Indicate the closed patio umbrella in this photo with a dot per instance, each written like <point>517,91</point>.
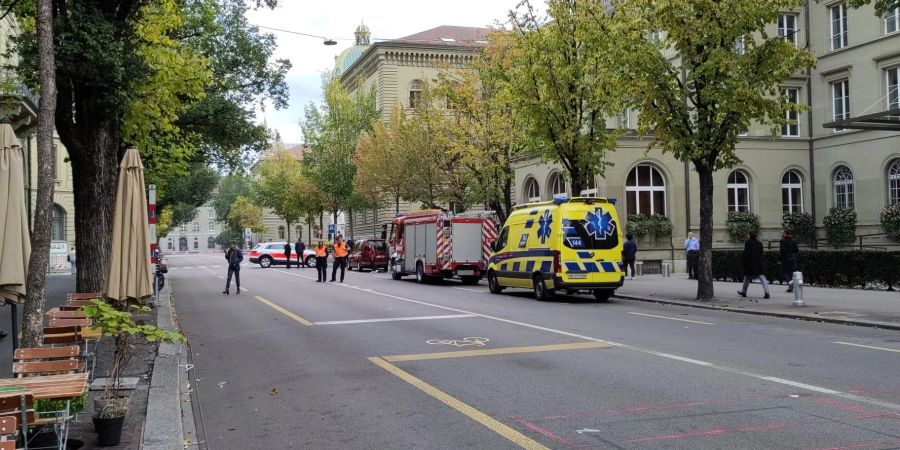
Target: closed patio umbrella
<point>15,245</point>
<point>129,273</point>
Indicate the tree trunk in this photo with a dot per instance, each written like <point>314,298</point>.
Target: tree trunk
<point>334,221</point>
<point>288,231</point>
<point>704,280</point>
<point>32,330</point>
<point>397,204</point>
<point>350,221</point>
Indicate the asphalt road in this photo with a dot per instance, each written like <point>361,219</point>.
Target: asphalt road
<point>380,364</point>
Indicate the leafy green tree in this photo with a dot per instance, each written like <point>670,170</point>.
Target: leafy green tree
<point>697,104</point>
<point>381,162</point>
<point>229,189</point>
<point>244,214</point>
<point>558,78</point>
<point>882,7</point>
<point>279,176</point>
<point>182,196</point>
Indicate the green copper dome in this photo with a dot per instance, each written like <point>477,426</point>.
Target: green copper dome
<point>349,56</point>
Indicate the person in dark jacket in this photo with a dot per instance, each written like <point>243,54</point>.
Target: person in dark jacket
<point>287,254</point>
<point>787,254</point>
<point>753,265</point>
<point>234,256</point>
<point>629,252</point>
<point>300,247</point>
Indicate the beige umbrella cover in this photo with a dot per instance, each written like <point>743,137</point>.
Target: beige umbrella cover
<point>129,275</point>
<point>15,245</point>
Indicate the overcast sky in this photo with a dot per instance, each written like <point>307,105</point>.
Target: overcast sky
<point>338,19</point>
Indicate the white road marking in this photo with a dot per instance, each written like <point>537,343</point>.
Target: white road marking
<point>470,290</point>
<point>393,319</point>
<point>870,347</point>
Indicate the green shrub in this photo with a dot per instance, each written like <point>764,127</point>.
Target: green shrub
<point>740,224</point>
<point>800,225</point>
<point>831,268</point>
<point>890,221</point>
<point>653,227</point>
<point>840,226</point>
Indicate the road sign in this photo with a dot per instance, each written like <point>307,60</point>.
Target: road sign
<point>331,228</point>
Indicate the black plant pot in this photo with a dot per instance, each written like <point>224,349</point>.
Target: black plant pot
<point>109,431</point>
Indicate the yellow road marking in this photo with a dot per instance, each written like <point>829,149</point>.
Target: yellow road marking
<point>284,311</point>
<point>870,346</point>
<point>671,318</point>
<point>496,351</point>
<point>470,412</point>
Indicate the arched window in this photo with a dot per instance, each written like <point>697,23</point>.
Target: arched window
<point>590,187</point>
<point>843,188</point>
<point>557,184</point>
<point>738,191</point>
<point>210,242</point>
<point>791,192</point>
<point>182,244</point>
<point>893,177</point>
<point>532,191</point>
<point>645,191</point>
<point>281,232</point>
<point>57,223</point>
<point>415,93</point>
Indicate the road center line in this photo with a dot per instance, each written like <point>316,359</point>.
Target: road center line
<point>470,412</point>
<point>870,347</point>
<point>671,318</point>
<point>393,319</point>
<point>758,376</point>
<point>496,351</point>
<point>284,311</point>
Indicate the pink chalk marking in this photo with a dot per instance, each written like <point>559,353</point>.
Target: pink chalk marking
<point>842,406</point>
<point>547,433</point>
<point>705,433</point>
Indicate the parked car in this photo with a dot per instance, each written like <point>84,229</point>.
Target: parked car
<point>268,254</point>
<point>369,254</point>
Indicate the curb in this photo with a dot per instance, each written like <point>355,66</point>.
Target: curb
<point>163,429</point>
<point>796,316</point>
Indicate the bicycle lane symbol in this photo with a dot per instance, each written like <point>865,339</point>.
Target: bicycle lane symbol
<point>464,342</point>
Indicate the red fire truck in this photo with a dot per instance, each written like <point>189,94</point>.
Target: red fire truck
<point>433,244</point>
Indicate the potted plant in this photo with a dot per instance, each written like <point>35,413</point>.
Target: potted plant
<point>110,406</point>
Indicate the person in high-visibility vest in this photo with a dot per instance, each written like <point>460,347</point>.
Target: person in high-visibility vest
<point>340,257</point>
<point>322,262</point>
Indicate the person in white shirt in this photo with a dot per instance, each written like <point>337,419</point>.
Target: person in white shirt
<point>692,253</point>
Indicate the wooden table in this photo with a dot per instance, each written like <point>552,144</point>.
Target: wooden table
<point>50,387</point>
<point>70,322</point>
<point>57,313</point>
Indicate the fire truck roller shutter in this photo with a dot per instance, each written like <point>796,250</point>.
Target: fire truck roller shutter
<point>409,249</point>
<point>467,242</point>
<point>429,242</point>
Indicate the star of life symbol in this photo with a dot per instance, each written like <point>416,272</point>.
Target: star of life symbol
<point>544,226</point>
<point>599,224</point>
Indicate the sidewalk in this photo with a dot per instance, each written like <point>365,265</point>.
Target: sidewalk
<point>879,309</point>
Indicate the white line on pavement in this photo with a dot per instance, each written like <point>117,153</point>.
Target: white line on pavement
<point>723,368</point>
<point>393,319</point>
<point>470,290</point>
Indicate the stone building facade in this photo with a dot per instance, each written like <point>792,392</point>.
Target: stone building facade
<point>196,236</point>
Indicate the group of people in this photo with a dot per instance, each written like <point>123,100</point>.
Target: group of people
<point>340,250</point>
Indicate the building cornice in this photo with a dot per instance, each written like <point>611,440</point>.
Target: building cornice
<point>409,54</point>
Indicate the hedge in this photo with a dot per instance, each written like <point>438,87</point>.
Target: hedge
<point>850,268</point>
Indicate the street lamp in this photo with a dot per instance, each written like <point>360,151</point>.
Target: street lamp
<point>330,42</point>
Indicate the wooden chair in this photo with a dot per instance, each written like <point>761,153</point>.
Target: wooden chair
<point>86,296</point>
<point>60,314</point>
<point>47,361</point>
<point>17,405</point>
<point>69,322</point>
<point>62,336</point>
<point>8,432</point>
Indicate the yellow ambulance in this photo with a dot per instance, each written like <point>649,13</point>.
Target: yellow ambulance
<point>568,244</point>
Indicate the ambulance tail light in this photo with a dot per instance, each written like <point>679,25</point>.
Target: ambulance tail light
<point>557,266</point>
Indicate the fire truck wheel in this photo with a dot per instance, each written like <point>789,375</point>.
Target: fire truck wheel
<point>540,289</point>
<point>470,280</point>
<point>420,273</point>
<point>494,284</point>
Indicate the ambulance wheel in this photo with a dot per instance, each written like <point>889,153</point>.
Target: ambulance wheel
<point>540,289</point>
<point>420,274</point>
<point>470,280</point>
<point>602,295</point>
<point>494,284</point>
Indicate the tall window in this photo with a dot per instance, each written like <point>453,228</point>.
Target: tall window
<point>532,191</point>
<point>893,177</point>
<point>210,242</point>
<point>893,87</point>
<point>625,119</point>
<point>892,21</point>
<point>792,128</point>
<point>557,184</point>
<point>196,226</point>
<point>843,188</point>
<point>54,155</point>
<point>183,227</point>
<point>787,27</point>
<point>281,232</point>
<point>211,219</point>
<point>838,15</point>
<point>645,191</point>
<point>57,223</point>
<point>738,191</point>
<point>590,187</point>
<point>415,93</point>
<point>840,101</point>
<point>791,192</point>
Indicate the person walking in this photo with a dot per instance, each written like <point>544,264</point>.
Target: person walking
<point>321,262</point>
<point>787,254</point>
<point>692,254</point>
<point>629,252</point>
<point>234,256</point>
<point>340,257</point>
<point>753,265</point>
<point>73,270</point>
<point>300,247</point>
<point>287,254</point>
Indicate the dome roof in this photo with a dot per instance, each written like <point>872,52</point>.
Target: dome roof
<point>347,57</point>
<point>362,28</point>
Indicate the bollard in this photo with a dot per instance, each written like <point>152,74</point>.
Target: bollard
<point>639,268</point>
<point>797,286</point>
<point>665,269</point>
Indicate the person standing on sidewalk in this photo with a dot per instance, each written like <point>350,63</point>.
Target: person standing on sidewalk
<point>340,257</point>
<point>629,253</point>
<point>287,254</point>
<point>692,254</point>
<point>753,265</point>
<point>321,262</point>
<point>234,256</point>
<point>787,253</point>
<point>300,247</point>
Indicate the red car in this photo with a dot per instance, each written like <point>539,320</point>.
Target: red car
<point>369,254</point>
